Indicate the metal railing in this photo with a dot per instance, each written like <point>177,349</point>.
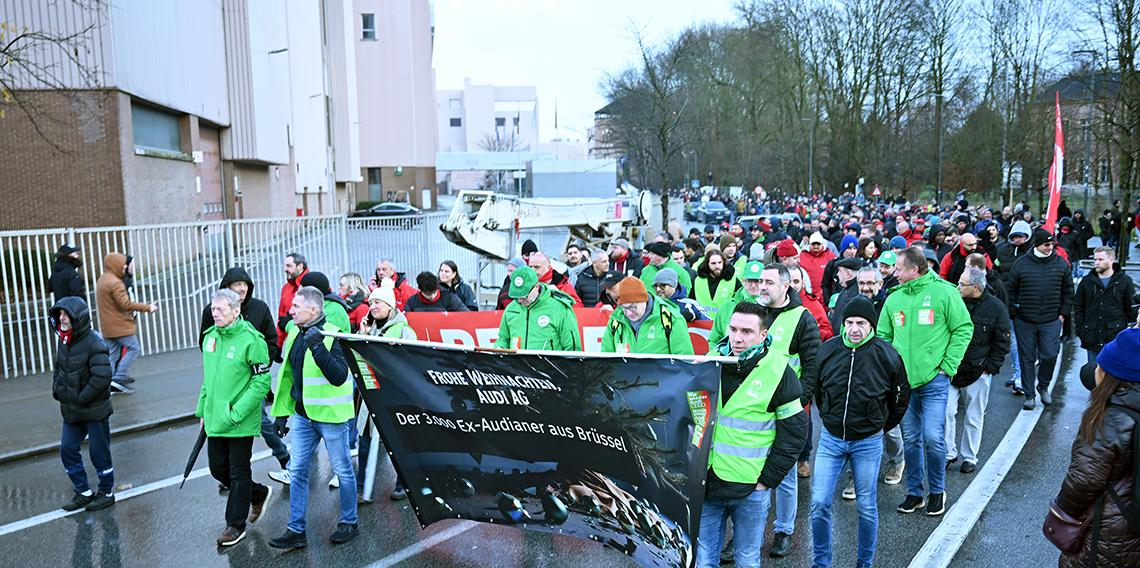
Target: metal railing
<point>177,267</point>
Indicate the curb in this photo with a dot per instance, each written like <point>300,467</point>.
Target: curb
<point>17,455</point>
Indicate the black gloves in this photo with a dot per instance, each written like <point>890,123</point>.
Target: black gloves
<point>281,425</point>
<point>313,337</point>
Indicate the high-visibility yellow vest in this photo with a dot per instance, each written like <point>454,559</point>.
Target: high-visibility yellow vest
<point>324,402</point>
<point>782,330</point>
<point>711,302</point>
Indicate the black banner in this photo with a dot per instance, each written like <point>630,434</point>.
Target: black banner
<point>609,449</point>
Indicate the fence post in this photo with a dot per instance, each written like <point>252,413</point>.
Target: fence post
<point>343,222</point>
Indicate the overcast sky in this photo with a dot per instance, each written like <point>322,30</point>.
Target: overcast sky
<point>565,48</point>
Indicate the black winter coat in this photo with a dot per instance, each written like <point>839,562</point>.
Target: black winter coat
<point>1040,289</point>
<point>1092,468</point>
<point>1073,244</point>
<point>1099,312</point>
<point>805,340</point>
<point>81,381</point>
<point>589,286</point>
<point>1007,255</point>
<point>464,292</point>
<point>65,280</point>
<point>253,310</point>
<point>860,391</point>
<point>990,344</point>
<point>446,302</point>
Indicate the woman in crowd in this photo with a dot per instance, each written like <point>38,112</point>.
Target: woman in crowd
<point>449,280</point>
<point>355,295</point>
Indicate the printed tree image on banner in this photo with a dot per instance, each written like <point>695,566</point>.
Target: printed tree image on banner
<point>609,449</point>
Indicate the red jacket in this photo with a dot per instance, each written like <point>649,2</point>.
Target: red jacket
<point>959,253</point>
<point>287,292</point>
<point>817,311</point>
<point>814,265</point>
<point>562,282</point>
<point>402,290</point>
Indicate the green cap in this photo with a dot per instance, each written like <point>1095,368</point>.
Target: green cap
<point>888,258</point>
<point>523,280</point>
<point>752,270</point>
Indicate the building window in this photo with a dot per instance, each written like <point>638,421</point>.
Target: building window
<point>456,122</point>
<point>454,104</point>
<point>516,122</point>
<point>374,186</point>
<point>155,129</point>
<point>500,121</point>
<point>368,26</point>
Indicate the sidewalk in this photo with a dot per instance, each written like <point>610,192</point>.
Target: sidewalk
<point>166,390</point>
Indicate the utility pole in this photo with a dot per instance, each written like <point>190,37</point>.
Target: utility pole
<point>938,102</point>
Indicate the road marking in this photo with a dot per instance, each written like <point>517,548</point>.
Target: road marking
<point>957,523</point>
<point>422,545</point>
<point>120,496</point>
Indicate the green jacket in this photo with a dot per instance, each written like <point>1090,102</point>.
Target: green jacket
<point>652,336</point>
<point>724,313</point>
<point>929,325</point>
<point>548,324</point>
<point>650,271</point>
<point>336,315</point>
<point>235,369</point>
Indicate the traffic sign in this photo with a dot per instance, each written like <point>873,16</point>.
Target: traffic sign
<point>877,192</point>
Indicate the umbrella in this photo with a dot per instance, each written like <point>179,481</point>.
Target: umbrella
<point>201,441</point>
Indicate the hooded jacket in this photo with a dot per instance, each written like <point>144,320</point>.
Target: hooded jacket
<point>253,311</point>
<point>1040,289</point>
<point>812,304</point>
<point>861,390</point>
<point>116,317</point>
<point>81,381</point>
<point>815,264</point>
<point>590,286</point>
<point>445,302</point>
<point>1008,255</point>
<point>464,292</point>
<point>235,371</point>
<point>1108,461</point>
<point>65,280</point>
<point>928,324</point>
<point>549,323</point>
<point>708,285</point>
<point>1099,311</point>
<point>663,331</point>
<point>990,343</point>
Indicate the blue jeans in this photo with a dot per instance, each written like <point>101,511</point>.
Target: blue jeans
<point>1015,361</point>
<point>787,499</point>
<point>306,433</point>
<point>121,360</point>
<point>275,443</point>
<point>98,434</point>
<point>924,430</point>
<point>830,458</point>
<point>748,518</point>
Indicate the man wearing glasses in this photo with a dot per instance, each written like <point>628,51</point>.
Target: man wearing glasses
<point>1040,294</point>
<point>644,323</point>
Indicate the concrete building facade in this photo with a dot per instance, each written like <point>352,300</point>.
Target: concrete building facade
<point>477,114</point>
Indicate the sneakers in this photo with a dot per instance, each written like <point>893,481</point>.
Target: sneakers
<point>78,502</point>
<point>968,467</point>
<point>1010,382</point>
<point>119,388</point>
<point>951,461</point>
<point>781,543</point>
<point>849,491</point>
<point>126,380</point>
<point>334,483</point>
<point>1046,398</point>
<point>936,506</point>
<point>728,555</point>
<point>894,473</point>
<point>344,532</point>
<point>257,506</point>
<point>1018,391</point>
<point>231,536</point>
<point>399,493</point>
<point>101,501</point>
<point>280,476</point>
<point>911,503</point>
<point>290,541</point>
<point>803,469</point>
<point>1030,403</point>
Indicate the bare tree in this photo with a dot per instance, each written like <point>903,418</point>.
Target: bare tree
<point>497,143</point>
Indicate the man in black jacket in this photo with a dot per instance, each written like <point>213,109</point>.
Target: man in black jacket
<point>983,359</point>
<point>862,392</point>
<point>591,281</point>
<point>257,313</point>
<point>1103,304</point>
<point>432,298</point>
<point>65,280</point>
<point>1040,294</point>
<point>82,385</point>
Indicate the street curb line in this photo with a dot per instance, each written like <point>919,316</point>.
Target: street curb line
<point>422,545</point>
<point>128,429</point>
<point>943,544</point>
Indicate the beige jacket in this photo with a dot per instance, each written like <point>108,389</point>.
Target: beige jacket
<point>115,306</point>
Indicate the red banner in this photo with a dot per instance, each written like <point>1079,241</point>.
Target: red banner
<point>481,329</point>
<point>1057,170</point>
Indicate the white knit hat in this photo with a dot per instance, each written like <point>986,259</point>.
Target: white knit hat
<point>385,293</point>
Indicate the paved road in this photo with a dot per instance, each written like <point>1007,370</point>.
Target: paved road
<point>171,527</point>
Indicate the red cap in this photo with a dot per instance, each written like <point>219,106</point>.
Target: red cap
<point>786,248</point>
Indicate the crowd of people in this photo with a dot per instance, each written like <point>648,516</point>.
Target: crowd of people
<point>889,321</point>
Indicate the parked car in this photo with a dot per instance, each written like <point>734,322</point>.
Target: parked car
<point>387,209</point>
<point>748,221</point>
<point>711,212</point>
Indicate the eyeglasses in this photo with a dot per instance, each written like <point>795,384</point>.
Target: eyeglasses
<point>628,307</point>
<point>659,286</point>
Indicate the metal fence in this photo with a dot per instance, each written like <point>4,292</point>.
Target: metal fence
<point>178,266</point>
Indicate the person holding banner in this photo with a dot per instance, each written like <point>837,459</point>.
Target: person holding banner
<point>759,432</point>
<point>313,389</point>
<point>539,317</point>
<point>644,323</point>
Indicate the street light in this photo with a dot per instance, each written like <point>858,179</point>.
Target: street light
<point>940,100</point>
<point>811,148</point>
<point>1089,113</point>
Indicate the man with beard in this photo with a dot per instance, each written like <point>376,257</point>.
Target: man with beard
<point>937,240</point>
<point>296,266</point>
<point>548,275</point>
<point>1103,303</point>
<point>65,281</point>
<point>622,259</point>
<point>716,282</point>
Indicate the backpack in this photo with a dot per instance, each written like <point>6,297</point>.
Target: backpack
<point>666,325</point>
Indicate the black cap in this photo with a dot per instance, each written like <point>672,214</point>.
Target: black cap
<point>317,280</point>
<point>65,250</point>
<point>861,307</point>
<point>851,263</point>
<point>659,249</point>
<point>1041,236</point>
<point>529,248</point>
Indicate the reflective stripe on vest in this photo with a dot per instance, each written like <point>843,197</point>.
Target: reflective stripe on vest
<point>745,430</point>
<point>782,330</point>
<point>712,302</point>
<point>324,402</point>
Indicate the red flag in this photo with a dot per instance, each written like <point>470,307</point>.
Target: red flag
<point>1057,170</point>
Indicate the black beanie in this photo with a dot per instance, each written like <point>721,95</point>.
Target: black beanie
<point>317,280</point>
<point>860,306</point>
<point>528,248</point>
<point>1041,236</point>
